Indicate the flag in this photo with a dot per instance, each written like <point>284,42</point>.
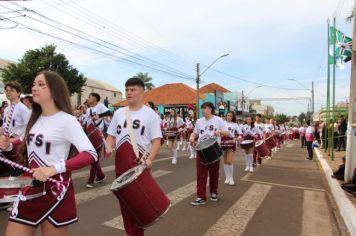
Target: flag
<point>343,47</point>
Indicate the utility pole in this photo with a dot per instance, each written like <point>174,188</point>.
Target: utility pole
<point>350,164</point>
<point>312,91</point>
<point>198,81</point>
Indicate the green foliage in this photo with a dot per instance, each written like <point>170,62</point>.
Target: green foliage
<point>37,60</point>
<point>146,80</point>
<point>281,118</point>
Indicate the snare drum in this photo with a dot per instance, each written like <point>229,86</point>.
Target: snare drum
<point>270,142</point>
<point>95,136</point>
<point>209,151</point>
<point>228,143</point>
<point>137,189</point>
<point>172,133</point>
<point>247,144</point>
<point>261,148</point>
<point>11,186</point>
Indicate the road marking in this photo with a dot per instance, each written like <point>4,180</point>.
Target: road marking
<point>235,220</point>
<point>85,173</point>
<point>175,196</point>
<point>316,215</point>
<point>283,185</point>
<point>91,194</point>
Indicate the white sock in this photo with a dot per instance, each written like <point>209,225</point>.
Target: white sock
<point>174,153</point>
<point>192,151</point>
<point>251,160</point>
<point>231,167</point>
<point>247,160</point>
<point>226,171</point>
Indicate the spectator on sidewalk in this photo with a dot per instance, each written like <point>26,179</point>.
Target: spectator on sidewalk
<point>317,132</point>
<point>340,172</point>
<point>309,138</point>
<point>302,135</point>
<point>342,127</point>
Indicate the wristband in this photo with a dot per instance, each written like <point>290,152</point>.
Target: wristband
<point>60,167</point>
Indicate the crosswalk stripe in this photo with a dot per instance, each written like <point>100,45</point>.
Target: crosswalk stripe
<point>85,173</point>
<point>91,194</point>
<point>235,220</point>
<point>175,196</point>
<point>316,214</point>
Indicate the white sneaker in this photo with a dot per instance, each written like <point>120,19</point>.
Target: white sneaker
<point>269,158</point>
<point>251,169</point>
<point>184,148</point>
<point>231,182</point>
<point>191,157</point>
<point>174,161</point>
<point>227,180</point>
<point>247,168</point>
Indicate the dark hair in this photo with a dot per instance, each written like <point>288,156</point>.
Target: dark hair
<point>208,104</point>
<point>259,115</point>
<point>308,122</point>
<point>96,95</point>
<point>134,81</point>
<point>252,121</point>
<point>233,116</point>
<point>60,94</point>
<point>29,98</point>
<point>14,85</point>
<point>151,104</point>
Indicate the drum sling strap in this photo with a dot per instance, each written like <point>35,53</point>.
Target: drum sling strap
<point>133,139</point>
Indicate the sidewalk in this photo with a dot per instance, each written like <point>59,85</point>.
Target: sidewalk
<point>345,202</point>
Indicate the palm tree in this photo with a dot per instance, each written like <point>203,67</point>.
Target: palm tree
<point>146,80</point>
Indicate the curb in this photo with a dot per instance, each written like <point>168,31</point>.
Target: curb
<point>346,208</point>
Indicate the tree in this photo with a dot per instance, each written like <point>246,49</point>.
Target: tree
<point>302,117</point>
<point>281,118</point>
<point>146,80</point>
<point>45,58</point>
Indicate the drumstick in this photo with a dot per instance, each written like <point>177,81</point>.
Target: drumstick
<point>5,131</point>
<point>26,169</point>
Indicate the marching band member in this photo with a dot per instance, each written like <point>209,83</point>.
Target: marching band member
<point>207,127</point>
<point>175,124</point>
<point>302,130</point>
<point>50,132</point>
<point>190,128</point>
<point>228,152</point>
<point>260,129</point>
<point>94,115</point>
<point>249,133</point>
<point>146,130</point>
<point>181,136</point>
<point>21,113</point>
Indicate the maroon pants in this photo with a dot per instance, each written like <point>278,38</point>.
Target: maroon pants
<point>202,177</point>
<point>256,157</point>
<point>95,170</point>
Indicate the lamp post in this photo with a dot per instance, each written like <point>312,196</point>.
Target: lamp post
<point>200,74</point>
<point>311,90</point>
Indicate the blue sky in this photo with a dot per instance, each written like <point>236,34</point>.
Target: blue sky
<point>269,42</point>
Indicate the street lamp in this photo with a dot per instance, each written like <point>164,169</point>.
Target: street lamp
<point>259,86</point>
<point>310,90</point>
<point>200,74</point>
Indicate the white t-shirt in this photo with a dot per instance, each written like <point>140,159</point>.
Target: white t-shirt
<point>178,124</point>
<point>269,128</point>
<point>50,138</point>
<point>248,130</point>
<point>206,128</point>
<point>260,128</point>
<point>309,133</point>
<point>233,128</point>
<point>20,118</point>
<point>98,109</point>
<point>145,123</point>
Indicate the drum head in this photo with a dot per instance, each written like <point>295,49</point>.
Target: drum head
<point>245,142</point>
<point>205,144</point>
<point>259,143</point>
<point>127,177</point>
<point>15,182</point>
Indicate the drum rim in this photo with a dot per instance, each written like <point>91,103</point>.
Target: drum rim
<point>259,143</point>
<point>138,171</point>
<point>206,164</point>
<point>205,141</point>
<point>15,182</point>
<point>12,198</point>
<point>245,142</point>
